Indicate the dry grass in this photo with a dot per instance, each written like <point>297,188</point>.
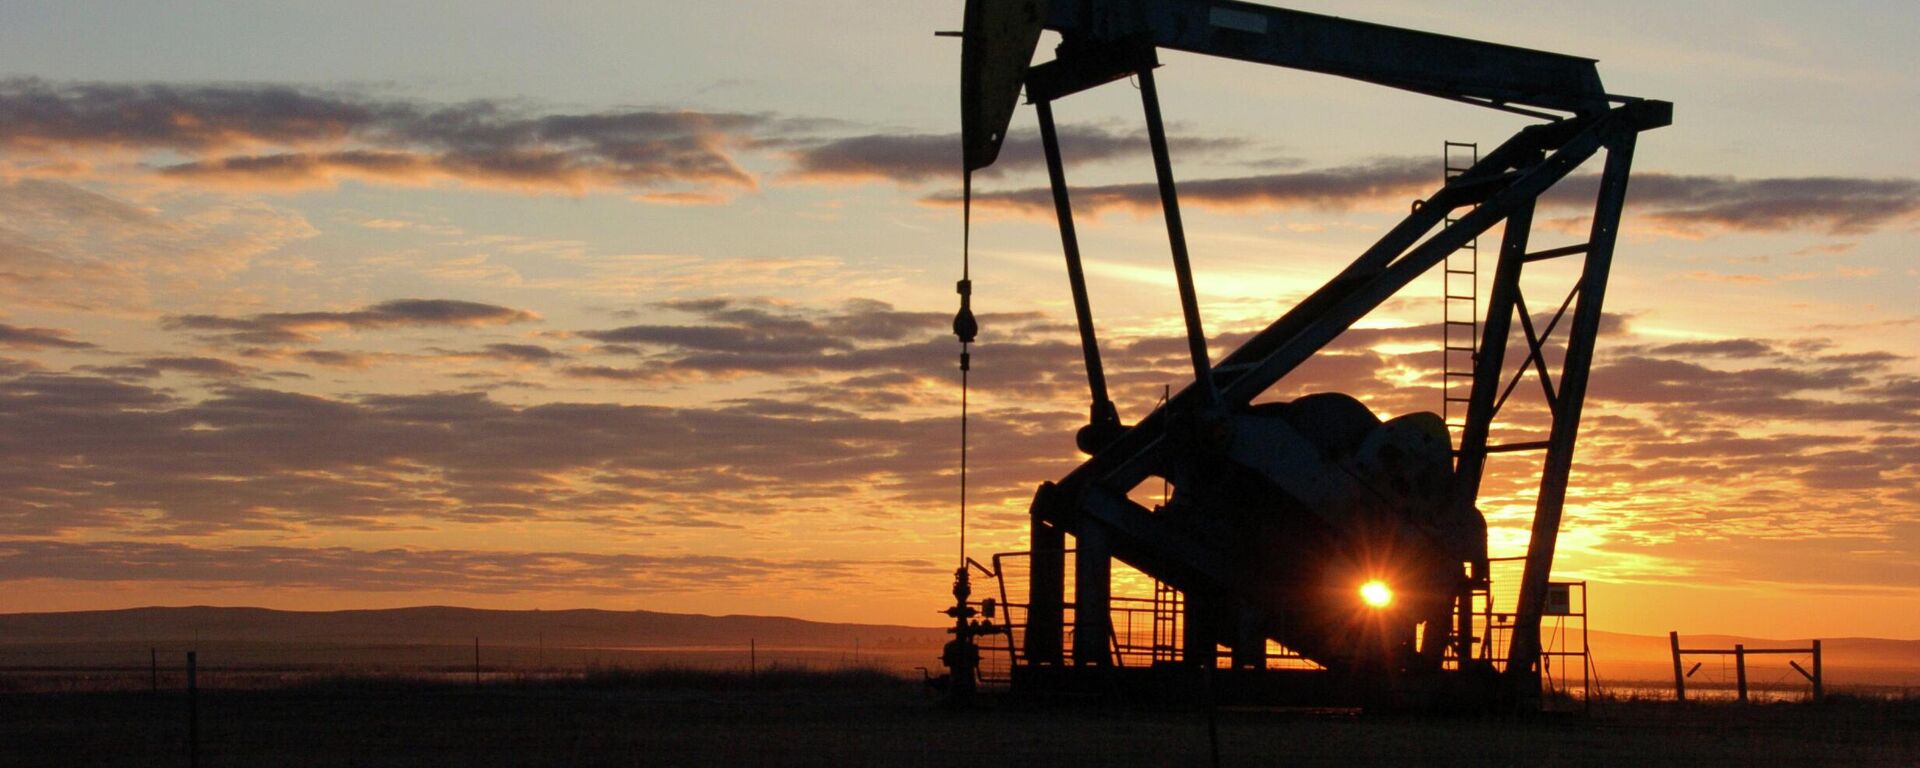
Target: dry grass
<point>800,716</point>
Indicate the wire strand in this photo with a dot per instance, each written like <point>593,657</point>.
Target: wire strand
<point>966,277</point>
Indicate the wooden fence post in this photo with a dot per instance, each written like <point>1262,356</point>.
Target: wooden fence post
<point>1740,669</point>
<point>1819,689</point>
<point>193,708</point>
<point>1679,676</point>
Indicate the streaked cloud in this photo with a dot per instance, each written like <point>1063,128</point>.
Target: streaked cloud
<point>915,158</point>
<point>1338,188</point>
<point>1679,204</point>
<point>403,570</point>
<point>1696,205</point>
<point>282,137</point>
<point>303,327</point>
<point>38,338</point>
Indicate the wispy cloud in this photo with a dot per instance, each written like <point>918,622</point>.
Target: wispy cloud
<point>275,137</point>
<point>302,327</point>
<point>1338,188</point>
<point>1684,205</point>
<point>1697,205</point>
<point>914,158</point>
<point>38,338</point>
<point>410,570</point>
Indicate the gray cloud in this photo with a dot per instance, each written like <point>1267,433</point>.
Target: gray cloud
<point>1683,204</point>
<point>198,366</point>
<point>38,338</point>
<point>1326,189</point>
<point>315,137</point>
<point>301,327</point>
<point>525,353</point>
<point>1836,204</point>
<point>917,158</point>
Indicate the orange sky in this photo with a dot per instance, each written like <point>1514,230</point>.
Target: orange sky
<point>646,307</point>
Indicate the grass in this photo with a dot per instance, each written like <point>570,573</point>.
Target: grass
<point>834,717</point>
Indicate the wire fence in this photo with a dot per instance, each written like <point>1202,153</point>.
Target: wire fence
<point>229,664</point>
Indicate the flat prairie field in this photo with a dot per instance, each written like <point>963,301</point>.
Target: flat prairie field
<point>851,719</point>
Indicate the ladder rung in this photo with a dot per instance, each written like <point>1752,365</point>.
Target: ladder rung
<point>1461,296</point>
<point>1554,253</point>
<point>1460,322</point>
<point>1452,271</point>
<point>1459,373</point>
<point>1457,348</point>
<point>1536,445</point>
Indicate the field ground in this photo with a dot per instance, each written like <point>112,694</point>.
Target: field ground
<point>851,718</point>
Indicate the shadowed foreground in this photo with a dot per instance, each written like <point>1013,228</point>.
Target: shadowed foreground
<point>859,718</point>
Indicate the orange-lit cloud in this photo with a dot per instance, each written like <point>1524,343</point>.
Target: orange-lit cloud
<point>301,327</point>
<point>394,570</point>
<point>276,137</point>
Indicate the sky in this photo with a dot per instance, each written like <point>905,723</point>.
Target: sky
<point>645,305</point>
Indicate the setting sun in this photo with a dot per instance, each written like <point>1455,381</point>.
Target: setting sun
<point>1376,594</point>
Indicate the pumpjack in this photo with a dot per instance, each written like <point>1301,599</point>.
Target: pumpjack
<point>1355,543</point>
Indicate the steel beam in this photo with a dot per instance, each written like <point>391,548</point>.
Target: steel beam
<point>1177,238</point>
<point>1102,410</point>
<point>1487,365</point>
<point>1522,661</point>
<point>1046,589</point>
<point>1450,67</point>
<point>1092,595</point>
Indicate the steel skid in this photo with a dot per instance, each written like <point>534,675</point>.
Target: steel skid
<point>1091,505</point>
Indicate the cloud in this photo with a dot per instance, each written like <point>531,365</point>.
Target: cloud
<point>1023,353</point>
<point>38,338</point>
<point>858,416</point>
<point>93,453</point>
<point>209,367</point>
<point>920,158</point>
<point>66,247</point>
<point>1696,205</point>
<point>1676,204</point>
<point>402,570</point>
<point>1339,188</point>
<point>279,137</point>
<point>523,353</point>
<point>302,327</point>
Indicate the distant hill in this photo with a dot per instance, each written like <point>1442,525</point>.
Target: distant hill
<point>436,625</point>
<point>1848,660</point>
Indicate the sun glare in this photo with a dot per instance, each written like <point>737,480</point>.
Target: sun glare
<point>1376,594</point>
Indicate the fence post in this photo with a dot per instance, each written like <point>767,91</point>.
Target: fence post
<point>193,708</point>
<point>153,661</point>
<point>1819,690</point>
<point>1679,675</point>
<point>1740,669</point>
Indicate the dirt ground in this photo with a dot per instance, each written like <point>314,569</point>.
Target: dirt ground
<point>883,721</point>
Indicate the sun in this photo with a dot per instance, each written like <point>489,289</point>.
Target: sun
<point>1376,593</point>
